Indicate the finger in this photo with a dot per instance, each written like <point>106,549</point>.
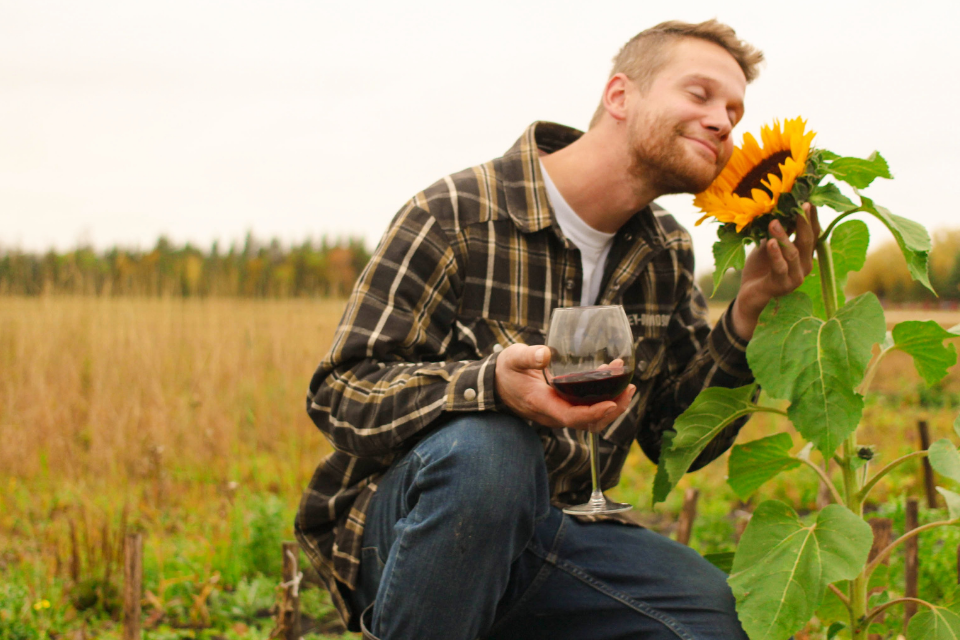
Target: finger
<point>811,212</point>
<point>521,356</point>
<point>787,248</point>
<point>804,242</point>
<point>622,403</point>
<point>778,264</point>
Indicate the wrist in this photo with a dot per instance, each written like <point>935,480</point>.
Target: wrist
<point>744,317</point>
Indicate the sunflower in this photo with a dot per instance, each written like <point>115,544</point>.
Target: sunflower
<point>753,181</point>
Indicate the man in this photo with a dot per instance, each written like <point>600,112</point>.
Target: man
<point>438,515</point>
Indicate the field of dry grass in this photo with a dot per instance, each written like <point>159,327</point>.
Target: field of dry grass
<point>163,413</point>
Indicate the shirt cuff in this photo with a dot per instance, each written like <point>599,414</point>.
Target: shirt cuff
<point>473,387</point>
<point>728,349</point>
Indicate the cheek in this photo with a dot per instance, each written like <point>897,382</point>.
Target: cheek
<point>726,150</point>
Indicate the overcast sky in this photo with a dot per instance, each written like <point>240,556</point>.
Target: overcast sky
<point>201,119</point>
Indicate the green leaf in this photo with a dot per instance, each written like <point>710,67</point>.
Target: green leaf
<point>924,341</point>
<point>728,253</point>
<point>848,246</point>
<point>956,425</point>
<point>952,500</point>
<point>857,172</point>
<point>783,567</point>
<point>829,195</point>
<point>944,459</point>
<point>911,237</point>
<point>937,623</point>
<point>710,412</point>
<point>816,365</point>
<point>722,561</point>
<point>834,629</point>
<point>661,481</point>
<point>753,463</point>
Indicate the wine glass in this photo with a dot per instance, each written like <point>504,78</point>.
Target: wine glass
<point>591,360</point>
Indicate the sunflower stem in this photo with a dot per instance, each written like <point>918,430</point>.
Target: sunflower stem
<point>851,482</point>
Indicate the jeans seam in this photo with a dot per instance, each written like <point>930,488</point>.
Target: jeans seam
<point>640,607</point>
<point>538,581</point>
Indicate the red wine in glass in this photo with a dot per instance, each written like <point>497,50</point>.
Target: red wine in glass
<point>591,361</point>
<point>590,387</point>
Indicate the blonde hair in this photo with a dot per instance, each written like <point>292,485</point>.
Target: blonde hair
<point>648,51</point>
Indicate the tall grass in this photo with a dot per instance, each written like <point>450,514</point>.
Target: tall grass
<point>185,418</point>
<point>182,417</point>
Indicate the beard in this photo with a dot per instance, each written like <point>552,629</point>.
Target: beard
<point>661,161</point>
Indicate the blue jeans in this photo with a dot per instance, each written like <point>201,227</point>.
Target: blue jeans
<point>461,542</point>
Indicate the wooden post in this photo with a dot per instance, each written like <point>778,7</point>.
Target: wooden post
<point>911,564</point>
<point>929,482</point>
<point>687,516</point>
<point>882,537</point>
<point>132,585</point>
<point>290,614</point>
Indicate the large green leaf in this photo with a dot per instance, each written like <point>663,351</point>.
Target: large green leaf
<point>924,341</point>
<point>938,623</point>
<point>816,365</point>
<point>859,173</point>
<point>848,246</point>
<point>710,412</point>
<point>753,463</point>
<point>944,459</point>
<point>829,195</point>
<point>722,560</point>
<point>911,237</point>
<point>953,502</point>
<point>728,253</point>
<point>782,567</point>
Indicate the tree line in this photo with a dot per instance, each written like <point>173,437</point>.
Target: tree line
<point>255,269</point>
<point>325,268</point>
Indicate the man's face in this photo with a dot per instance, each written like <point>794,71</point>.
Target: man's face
<point>680,127</point>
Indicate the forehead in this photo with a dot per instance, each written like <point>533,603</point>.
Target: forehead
<point>697,59</point>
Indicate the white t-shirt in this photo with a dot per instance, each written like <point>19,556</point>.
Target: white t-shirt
<point>593,245</point>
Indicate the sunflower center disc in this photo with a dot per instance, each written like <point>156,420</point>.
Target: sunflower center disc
<point>752,180</point>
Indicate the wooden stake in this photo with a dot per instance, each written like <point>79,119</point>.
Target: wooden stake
<point>929,482</point>
<point>687,516</point>
<point>290,613</point>
<point>912,562</point>
<point>132,585</point>
<point>882,537</point>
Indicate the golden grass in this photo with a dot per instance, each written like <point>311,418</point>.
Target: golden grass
<point>113,391</point>
<point>168,406</point>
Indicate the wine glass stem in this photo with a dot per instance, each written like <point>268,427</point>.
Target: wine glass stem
<point>594,462</point>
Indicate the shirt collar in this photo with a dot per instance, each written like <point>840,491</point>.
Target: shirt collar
<point>526,195</point>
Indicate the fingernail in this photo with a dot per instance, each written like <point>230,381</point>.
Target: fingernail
<point>777,228</point>
<point>538,356</point>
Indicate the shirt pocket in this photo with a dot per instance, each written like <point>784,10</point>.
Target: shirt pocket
<point>479,337</point>
<point>650,355</point>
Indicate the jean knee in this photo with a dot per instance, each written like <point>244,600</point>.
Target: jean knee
<point>495,462</point>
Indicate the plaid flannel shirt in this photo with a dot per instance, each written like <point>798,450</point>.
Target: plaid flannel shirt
<point>472,264</point>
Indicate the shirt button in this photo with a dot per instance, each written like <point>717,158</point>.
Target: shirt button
<point>497,348</point>
<point>570,284</point>
<point>470,395</point>
<point>628,237</point>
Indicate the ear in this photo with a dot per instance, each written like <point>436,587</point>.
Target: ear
<point>615,96</point>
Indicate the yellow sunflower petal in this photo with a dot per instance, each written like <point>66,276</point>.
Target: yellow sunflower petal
<point>741,175</point>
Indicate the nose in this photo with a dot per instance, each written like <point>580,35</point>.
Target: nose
<point>717,119</point>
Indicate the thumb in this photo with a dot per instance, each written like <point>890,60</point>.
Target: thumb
<point>522,356</point>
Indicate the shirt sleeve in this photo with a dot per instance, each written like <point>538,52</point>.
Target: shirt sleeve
<point>697,357</point>
<point>385,378</point>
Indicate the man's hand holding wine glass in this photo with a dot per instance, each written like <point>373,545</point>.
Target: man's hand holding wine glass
<point>522,388</point>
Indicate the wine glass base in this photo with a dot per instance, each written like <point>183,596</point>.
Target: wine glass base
<point>598,507</point>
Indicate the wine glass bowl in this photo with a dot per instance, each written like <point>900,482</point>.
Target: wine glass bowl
<point>591,360</point>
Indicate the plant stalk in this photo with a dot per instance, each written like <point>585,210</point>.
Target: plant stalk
<point>851,483</point>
